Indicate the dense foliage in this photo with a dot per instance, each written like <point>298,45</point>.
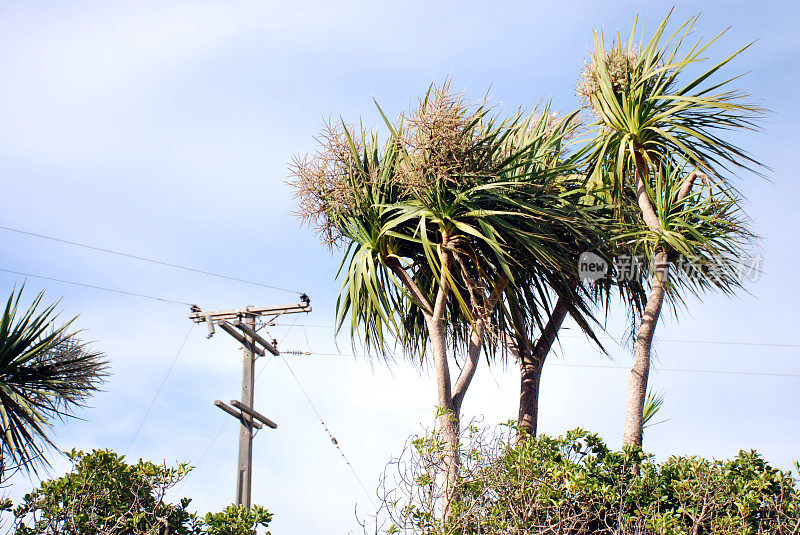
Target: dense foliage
<point>104,495</point>
<point>576,484</point>
<point>237,520</point>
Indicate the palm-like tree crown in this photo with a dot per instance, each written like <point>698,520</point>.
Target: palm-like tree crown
<point>659,131</point>
<point>494,195</point>
<point>646,113</point>
<point>45,373</point>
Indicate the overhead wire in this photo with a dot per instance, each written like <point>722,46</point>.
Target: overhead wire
<point>612,367</point>
<point>160,388</point>
<point>205,452</point>
<point>334,441</point>
<point>671,340</point>
<point>146,259</point>
<point>103,288</point>
<point>677,370</point>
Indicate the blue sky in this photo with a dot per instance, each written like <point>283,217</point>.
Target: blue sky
<point>164,129</point>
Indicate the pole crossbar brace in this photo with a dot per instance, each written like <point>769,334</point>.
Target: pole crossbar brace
<point>199,316</point>
<point>238,415</point>
<point>254,413</point>
<point>228,328</point>
<point>257,337</point>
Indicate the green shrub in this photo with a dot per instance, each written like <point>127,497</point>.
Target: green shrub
<point>575,484</point>
<point>104,495</point>
<point>237,520</point>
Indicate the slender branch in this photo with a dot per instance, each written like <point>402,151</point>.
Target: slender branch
<point>476,343</point>
<point>497,293</point>
<point>519,345</point>
<point>444,281</point>
<point>437,333</point>
<point>686,187</point>
<point>550,331</point>
<point>645,204</point>
<point>416,294</point>
<point>469,282</point>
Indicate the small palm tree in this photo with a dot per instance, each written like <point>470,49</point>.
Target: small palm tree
<point>656,136</point>
<point>45,373</point>
<point>652,406</point>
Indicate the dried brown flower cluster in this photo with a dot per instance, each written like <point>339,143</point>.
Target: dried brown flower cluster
<point>322,184</point>
<point>443,141</point>
<point>620,63</point>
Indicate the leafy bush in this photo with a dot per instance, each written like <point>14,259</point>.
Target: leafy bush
<point>575,484</point>
<point>104,495</point>
<point>237,520</point>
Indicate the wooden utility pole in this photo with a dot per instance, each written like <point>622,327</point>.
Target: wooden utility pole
<point>241,325</point>
<point>244,479</point>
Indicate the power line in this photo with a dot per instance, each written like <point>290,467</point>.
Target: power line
<point>94,287</point>
<point>145,259</point>
<point>613,367</point>
<point>205,452</point>
<point>682,341</point>
<point>160,388</point>
<point>210,444</point>
<point>314,407</point>
<point>670,340</point>
<point>678,370</point>
<point>328,431</point>
<point>723,342</point>
<point>280,343</point>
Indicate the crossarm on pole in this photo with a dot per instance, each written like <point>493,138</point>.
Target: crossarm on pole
<point>238,415</point>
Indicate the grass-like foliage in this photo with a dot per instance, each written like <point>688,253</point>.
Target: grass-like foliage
<point>46,372</point>
<point>576,484</point>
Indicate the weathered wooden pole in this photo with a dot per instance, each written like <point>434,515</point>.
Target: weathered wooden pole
<point>245,468</point>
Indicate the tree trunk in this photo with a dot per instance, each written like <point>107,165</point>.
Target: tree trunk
<point>449,417</point>
<point>531,361</point>
<point>434,321</point>
<point>637,381</point>
<point>449,396</point>
<point>449,425</point>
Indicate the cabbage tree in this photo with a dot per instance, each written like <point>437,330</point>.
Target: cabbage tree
<point>438,225</point>
<point>664,147</point>
<point>46,373</point>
